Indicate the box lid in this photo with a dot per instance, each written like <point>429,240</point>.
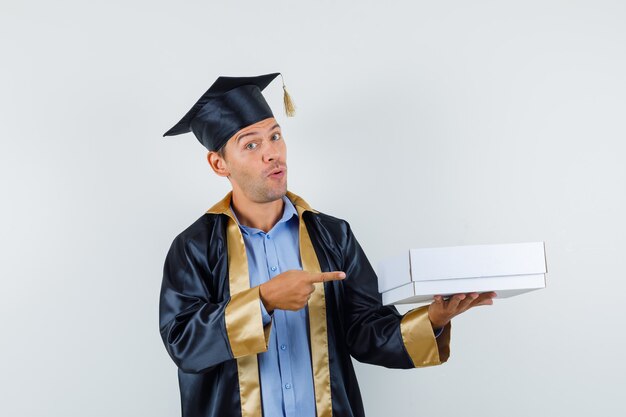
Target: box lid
<point>477,261</point>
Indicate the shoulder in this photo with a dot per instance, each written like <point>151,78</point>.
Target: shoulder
<point>202,232</point>
<point>194,252</point>
<point>327,220</point>
<point>329,226</point>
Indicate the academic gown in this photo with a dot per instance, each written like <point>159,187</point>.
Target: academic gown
<point>211,325</point>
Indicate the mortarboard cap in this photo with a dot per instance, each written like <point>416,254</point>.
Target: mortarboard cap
<point>229,105</point>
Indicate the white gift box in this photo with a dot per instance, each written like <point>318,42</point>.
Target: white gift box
<point>419,274</point>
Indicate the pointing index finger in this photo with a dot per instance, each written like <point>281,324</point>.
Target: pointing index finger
<point>328,276</point>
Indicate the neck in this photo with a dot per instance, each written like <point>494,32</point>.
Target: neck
<point>261,216</point>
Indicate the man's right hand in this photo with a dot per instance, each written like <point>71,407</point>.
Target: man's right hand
<point>292,289</point>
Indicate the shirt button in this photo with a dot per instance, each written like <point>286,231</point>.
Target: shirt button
<point>267,236</point>
<point>273,268</point>
<point>283,347</point>
<point>288,386</point>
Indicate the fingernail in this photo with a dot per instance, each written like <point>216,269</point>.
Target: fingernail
<point>342,275</point>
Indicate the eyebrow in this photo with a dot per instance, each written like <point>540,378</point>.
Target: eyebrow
<point>255,131</point>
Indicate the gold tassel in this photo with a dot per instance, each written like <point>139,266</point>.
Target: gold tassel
<point>290,107</point>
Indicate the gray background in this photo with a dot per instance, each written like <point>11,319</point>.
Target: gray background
<point>421,123</point>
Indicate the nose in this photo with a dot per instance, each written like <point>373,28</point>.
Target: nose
<point>272,152</point>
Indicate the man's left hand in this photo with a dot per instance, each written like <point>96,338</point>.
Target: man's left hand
<point>441,311</point>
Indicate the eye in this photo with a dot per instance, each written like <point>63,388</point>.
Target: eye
<point>276,136</point>
<point>251,145</point>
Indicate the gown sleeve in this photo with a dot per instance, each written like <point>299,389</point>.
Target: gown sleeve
<point>378,334</point>
<point>193,321</point>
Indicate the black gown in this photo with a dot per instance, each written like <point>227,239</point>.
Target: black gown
<point>210,318</point>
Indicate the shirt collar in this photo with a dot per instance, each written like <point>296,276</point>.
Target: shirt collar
<point>289,211</point>
<point>223,206</point>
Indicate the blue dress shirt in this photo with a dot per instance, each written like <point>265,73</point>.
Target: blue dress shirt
<point>285,369</point>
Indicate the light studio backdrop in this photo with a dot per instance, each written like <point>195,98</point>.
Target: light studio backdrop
<point>421,123</point>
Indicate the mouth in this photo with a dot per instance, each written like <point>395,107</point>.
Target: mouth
<point>277,173</point>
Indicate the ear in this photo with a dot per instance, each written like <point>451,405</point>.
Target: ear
<point>218,164</point>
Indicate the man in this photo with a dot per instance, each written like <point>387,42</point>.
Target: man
<point>264,299</point>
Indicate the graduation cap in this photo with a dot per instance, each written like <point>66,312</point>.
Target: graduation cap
<point>229,105</point>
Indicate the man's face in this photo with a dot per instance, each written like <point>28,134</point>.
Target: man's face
<point>256,161</point>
